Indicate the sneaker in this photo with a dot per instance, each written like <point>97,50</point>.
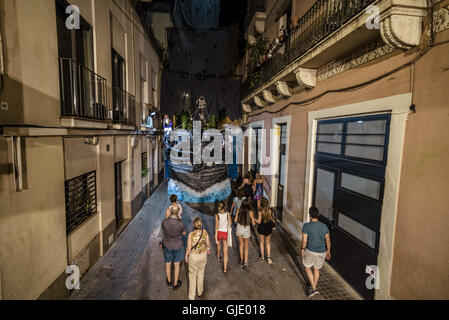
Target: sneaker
<point>312,293</point>
<point>245,266</point>
<point>269,260</point>
<point>177,286</point>
<point>262,259</point>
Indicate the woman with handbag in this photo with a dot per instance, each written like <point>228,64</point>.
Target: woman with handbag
<point>198,247</point>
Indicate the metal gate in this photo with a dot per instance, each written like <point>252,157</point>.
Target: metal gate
<point>349,179</point>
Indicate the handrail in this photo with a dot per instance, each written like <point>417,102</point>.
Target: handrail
<point>124,107</point>
<point>83,93</point>
<point>319,22</point>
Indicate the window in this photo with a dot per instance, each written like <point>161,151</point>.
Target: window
<point>118,71</point>
<point>144,164</point>
<point>364,138</point>
<point>80,200</point>
<point>124,104</point>
<point>82,92</point>
<point>357,230</point>
<point>76,44</point>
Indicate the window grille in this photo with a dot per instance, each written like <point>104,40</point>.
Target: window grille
<point>81,200</point>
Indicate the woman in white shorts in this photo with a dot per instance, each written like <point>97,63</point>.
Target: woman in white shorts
<point>243,217</point>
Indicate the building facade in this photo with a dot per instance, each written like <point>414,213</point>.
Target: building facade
<point>352,96</point>
<point>78,153</point>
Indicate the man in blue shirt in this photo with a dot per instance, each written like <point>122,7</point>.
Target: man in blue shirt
<point>316,246</point>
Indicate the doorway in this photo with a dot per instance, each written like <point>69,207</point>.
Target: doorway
<point>118,194</point>
<point>349,180</point>
<point>281,170</point>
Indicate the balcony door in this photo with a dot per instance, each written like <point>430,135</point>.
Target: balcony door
<point>76,44</point>
<point>349,179</point>
<point>80,87</point>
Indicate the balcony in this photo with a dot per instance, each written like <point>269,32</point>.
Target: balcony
<point>328,30</point>
<point>255,19</point>
<point>254,7</point>
<point>124,108</point>
<point>83,92</point>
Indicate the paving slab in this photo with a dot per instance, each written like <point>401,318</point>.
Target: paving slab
<point>133,268</point>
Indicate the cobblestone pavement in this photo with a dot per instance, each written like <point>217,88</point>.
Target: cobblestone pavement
<point>134,266</point>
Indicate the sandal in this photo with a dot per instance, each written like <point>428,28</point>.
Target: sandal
<point>269,260</point>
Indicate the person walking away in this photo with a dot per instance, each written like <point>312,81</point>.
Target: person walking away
<point>316,246</point>
<point>258,189</point>
<point>222,222</point>
<point>244,217</point>
<point>237,202</point>
<point>173,229</point>
<point>198,247</point>
<point>265,229</point>
<point>247,187</point>
<point>173,199</point>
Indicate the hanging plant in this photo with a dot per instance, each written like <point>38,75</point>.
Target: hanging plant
<point>257,51</point>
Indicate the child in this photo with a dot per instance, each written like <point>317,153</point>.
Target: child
<point>222,222</point>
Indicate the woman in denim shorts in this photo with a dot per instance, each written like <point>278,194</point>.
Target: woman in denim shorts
<point>243,217</point>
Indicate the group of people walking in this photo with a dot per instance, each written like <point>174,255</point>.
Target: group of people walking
<point>249,207</point>
<point>246,210</point>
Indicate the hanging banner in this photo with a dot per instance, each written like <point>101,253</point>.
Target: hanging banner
<point>196,13</point>
<point>198,51</point>
<point>181,91</point>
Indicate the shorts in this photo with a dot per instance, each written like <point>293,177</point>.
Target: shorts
<point>173,255</point>
<point>313,259</point>
<point>243,231</point>
<point>265,229</point>
<point>222,236</point>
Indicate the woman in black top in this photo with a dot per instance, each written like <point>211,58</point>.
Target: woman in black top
<point>265,229</point>
<point>247,186</point>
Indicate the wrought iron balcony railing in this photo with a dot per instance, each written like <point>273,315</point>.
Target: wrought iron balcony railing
<point>322,19</point>
<point>83,92</point>
<point>124,107</point>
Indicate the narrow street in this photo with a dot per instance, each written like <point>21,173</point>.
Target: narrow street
<point>133,269</point>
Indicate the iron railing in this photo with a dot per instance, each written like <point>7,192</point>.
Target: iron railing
<point>83,92</point>
<point>124,107</point>
<point>254,6</point>
<point>80,200</point>
<point>322,19</point>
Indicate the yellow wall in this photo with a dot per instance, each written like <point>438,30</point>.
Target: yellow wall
<point>31,55</point>
<point>33,247</point>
